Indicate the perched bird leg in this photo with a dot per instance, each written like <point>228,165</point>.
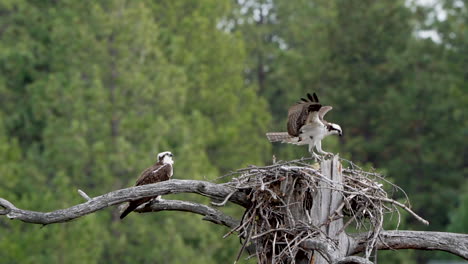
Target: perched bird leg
<point>316,157</point>
<point>320,150</point>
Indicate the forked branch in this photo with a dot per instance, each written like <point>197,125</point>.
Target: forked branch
<point>210,214</point>
<point>212,190</point>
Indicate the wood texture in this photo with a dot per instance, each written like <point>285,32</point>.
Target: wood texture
<point>425,240</point>
<point>326,203</point>
<point>212,190</point>
<point>210,214</point>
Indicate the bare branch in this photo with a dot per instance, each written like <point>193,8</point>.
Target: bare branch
<point>7,205</point>
<point>209,213</point>
<point>353,260</point>
<point>84,195</point>
<point>425,240</point>
<point>322,247</point>
<point>420,219</point>
<point>212,190</point>
<point>225,199</point>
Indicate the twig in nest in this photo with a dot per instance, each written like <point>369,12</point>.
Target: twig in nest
<point>225,199</point>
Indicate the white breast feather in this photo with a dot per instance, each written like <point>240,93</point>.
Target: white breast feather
<point>313,119</point>
<point>168,160</point>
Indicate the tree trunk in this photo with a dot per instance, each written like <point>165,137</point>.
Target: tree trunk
<point>325,207</point>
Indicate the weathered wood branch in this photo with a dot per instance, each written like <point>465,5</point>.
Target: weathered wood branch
<point>84,195</point>
<point>325,224</point>
<point>353,260</point>
<point>454,243</point>
<point>328,252</point>
<point>325,249</point>
<point>212,190</point>
<point>210,214</point>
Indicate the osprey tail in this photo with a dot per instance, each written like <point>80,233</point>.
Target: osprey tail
<point>283,137</point>
<point>134,205</point>
<point>127,211</point>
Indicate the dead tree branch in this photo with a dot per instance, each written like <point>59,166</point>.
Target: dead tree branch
<point>212,190</point>
<point>210,214</point>
<point>454,243</point>
<point>353,260</point>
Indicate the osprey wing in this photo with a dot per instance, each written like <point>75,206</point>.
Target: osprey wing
<point>156,173</point>
<point>321,113</point>
<point>299,114</point>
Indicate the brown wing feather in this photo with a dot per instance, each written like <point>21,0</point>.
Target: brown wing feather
<point>156,173</point>
<point>294,118</point>
<point>297,116</point>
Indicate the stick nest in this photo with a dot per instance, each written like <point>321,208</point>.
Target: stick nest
<point>282,214</point>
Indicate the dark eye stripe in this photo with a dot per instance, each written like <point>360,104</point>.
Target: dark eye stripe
<point>330,128</point>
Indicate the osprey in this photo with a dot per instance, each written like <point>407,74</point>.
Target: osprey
<point>160,171</point>
<point>306,125</point>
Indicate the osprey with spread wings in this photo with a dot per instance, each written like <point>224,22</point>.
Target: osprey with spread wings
<point>306,125</point>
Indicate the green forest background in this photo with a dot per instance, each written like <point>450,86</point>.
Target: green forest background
<point>91,91</point>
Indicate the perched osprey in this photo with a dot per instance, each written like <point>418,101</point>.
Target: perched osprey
<point>306,125</point>
<point>160,171</point>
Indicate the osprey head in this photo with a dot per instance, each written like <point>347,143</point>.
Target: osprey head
<point>334,129</point>
<point>166,157</point>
